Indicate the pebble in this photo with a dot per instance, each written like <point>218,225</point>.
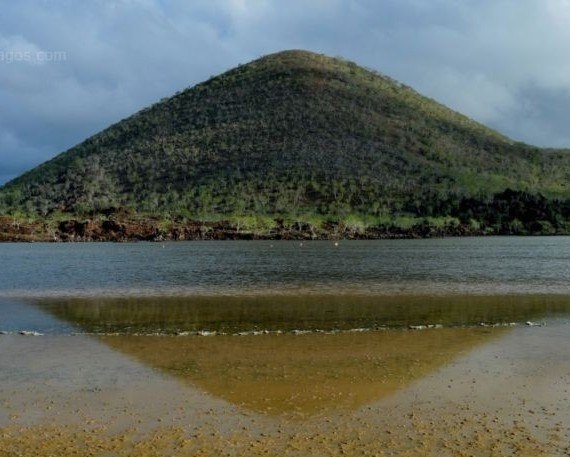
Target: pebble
<point>30,333</point>
<point>424,327</point>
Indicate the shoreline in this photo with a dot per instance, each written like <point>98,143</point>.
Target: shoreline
<point>152,229</point>
<point>245,315</point>
<point>505,395</point>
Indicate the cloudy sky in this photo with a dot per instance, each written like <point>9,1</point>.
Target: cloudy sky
<point>69,68</point>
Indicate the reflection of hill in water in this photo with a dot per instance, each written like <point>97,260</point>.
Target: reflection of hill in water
<point>303,375</point>
<point>234,314</point>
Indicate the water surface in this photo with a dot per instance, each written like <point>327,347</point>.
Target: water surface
<point>231,287</point>
<point>453,265</point>
<point>287,348</point>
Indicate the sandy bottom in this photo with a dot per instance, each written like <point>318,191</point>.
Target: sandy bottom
<point>456,392</point>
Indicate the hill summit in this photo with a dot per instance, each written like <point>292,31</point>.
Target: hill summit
<point>297,141</point>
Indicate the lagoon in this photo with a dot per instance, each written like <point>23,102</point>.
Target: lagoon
<point>401,347</point>
<point>450,265</point>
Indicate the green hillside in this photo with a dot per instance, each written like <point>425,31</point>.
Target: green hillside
<point>299,137</point>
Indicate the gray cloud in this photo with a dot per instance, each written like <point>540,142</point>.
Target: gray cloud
<point>69,69</point>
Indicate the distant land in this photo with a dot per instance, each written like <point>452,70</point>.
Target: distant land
<point>294,145</point>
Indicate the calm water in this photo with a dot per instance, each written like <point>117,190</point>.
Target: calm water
<point>271,285</point>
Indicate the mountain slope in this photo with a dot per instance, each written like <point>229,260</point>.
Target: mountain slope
<point>291,134</point>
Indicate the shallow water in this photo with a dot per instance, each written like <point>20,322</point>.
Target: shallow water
<point>454,265</point>
<point>246,286</point>
<point>273,313</point>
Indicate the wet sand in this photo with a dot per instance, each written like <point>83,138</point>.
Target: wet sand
<point>479,392</point>
<point>304,375</point>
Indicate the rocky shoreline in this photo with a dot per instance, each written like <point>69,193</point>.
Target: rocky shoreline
<point>130,229</point>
